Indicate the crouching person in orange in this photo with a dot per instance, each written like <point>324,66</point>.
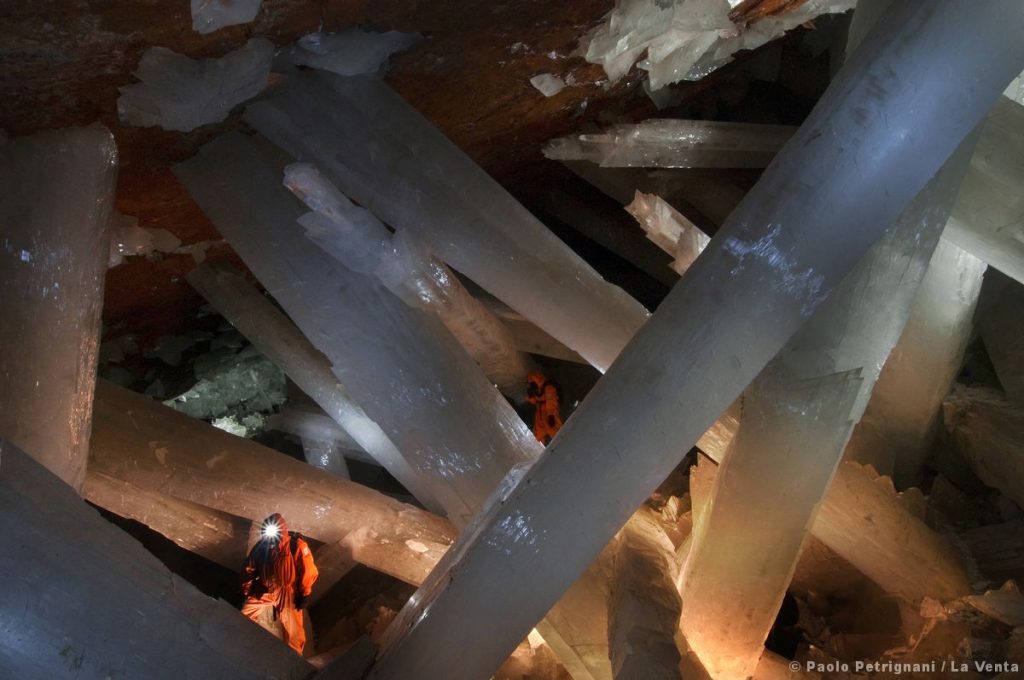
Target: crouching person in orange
<point>547,418</point>
<point>277,579</point>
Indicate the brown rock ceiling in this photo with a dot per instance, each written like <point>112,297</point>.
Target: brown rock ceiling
<point>61,63</point>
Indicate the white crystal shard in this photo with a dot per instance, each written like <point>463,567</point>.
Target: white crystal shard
<point>687,39</point>
<point>58,190</point>
<point>815,212</point>
<point>547,84</point>
<point>669,229</point>
<point>128,239</point>
<point>902,418</point>
<point>211,15</point>
<point>140,443</point>
<point>350,52</point>
<point>179,93</point>
<point>362,243</point>
<point>432,401</point>
<point>274,335</point>
<point>675,144</point>
<point>1015,90</point>
<point>381,153</point>
<point>107,580</point>
<point>988,218</point>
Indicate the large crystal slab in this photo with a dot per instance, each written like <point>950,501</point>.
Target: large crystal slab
<point>988,218</point>
<point>988,431</point>
<point>58,190</point>
<point>71,578</point>
<point>350,52</point>
<point>687,39</point>
<point>815,212</point>
<point>899,426</point>
<point>1002,329</point>
<point>361,242</point>
<point>381,153</point>
<point>146,445</point>
<point>425,392</point>
<point>670,143</point>
<point>278,339</point>
<point>179,93</point>
<point>211,15</point>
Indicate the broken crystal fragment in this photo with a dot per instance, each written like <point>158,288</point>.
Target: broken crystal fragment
<point>383,154</point>
<point>547,84</point>
<point>675,144</point>
<point>211,15</point>
<point>687,39</point>
<point>58,190</point>
<point>180,93</point>
<point>669,229</point>
<point>350,52</point>
<point>128,239</point>
<point>1002,330</point>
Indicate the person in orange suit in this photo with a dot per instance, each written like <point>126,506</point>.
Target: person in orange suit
<point>277,579</point>
<point>547,416</point>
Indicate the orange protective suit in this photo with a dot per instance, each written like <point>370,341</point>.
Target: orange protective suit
<point>547,416</point>
<point>277,578</point>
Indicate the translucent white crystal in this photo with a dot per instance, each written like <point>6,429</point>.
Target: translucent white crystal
<point>179,93</point>
<point>58,190</point>
<point>128,239</point>
<point>687,39</point>
<point>547,84</point>
<point>210,15</point>
<point>380,152</point>
<point>434,403</point>
<point>350,52</point>
<point>676,144</point>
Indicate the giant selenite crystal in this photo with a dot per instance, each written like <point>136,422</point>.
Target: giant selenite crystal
<point>275,336</point>
<point>901,421</point>
<point>400,364</point>
<point>382,154</point>
<point>71,578</point>
<point>179,93</point>
<point>360,242</point>
<point>142,444</point>
<point>350,52</point>
<point>814,214</point>
<point>1002,329</point>
<point>675,144</point>
<point>58,193</point>
<point>667,227</point>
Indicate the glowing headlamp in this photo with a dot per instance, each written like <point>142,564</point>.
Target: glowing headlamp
<point>271,530</point>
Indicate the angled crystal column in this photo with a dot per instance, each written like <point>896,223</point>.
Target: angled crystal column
<point>147,445</point>
<point>211,15</point>
<point>988,218</point>
<point>58,190</point>
<point>667,227</point>
<point>362,243</point>
<point>675,144</point>
<point>1002,330</point>
<point>381,153</point>
<point>71,578</point>
<point>988,431</point>
<point>277,338</point>
<point>302,422</point>
<point>798,416</point>
<point>901,421</point>
<point>399,363</point>
<point>643,610</point>
<point>815,212</point>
